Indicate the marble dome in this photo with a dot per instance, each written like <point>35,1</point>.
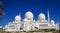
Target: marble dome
<point>41,16</point>
<point>52,21</point>
<point>29,15</point>
<point>17,17</point>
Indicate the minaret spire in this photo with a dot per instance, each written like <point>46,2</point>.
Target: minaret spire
<point>48,16</point>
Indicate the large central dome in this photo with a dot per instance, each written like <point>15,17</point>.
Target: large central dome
<point>41,16</point>
<point>29,15</point>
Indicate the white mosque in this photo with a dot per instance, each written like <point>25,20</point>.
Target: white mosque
<point>29,23</point>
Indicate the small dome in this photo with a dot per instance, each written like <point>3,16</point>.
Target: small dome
<point>52,21</point>
<point>29,15</point>
<point>18,18</point>
<point>41,16</point>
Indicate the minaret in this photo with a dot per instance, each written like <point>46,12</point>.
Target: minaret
<point>48,16</point>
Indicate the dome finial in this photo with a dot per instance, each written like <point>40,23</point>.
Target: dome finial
<point>29,11</point>
<point>20,14</point>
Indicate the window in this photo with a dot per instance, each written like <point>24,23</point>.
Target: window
<point>43,25</point>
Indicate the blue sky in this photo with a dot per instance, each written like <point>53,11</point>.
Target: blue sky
<point>14,7</point>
